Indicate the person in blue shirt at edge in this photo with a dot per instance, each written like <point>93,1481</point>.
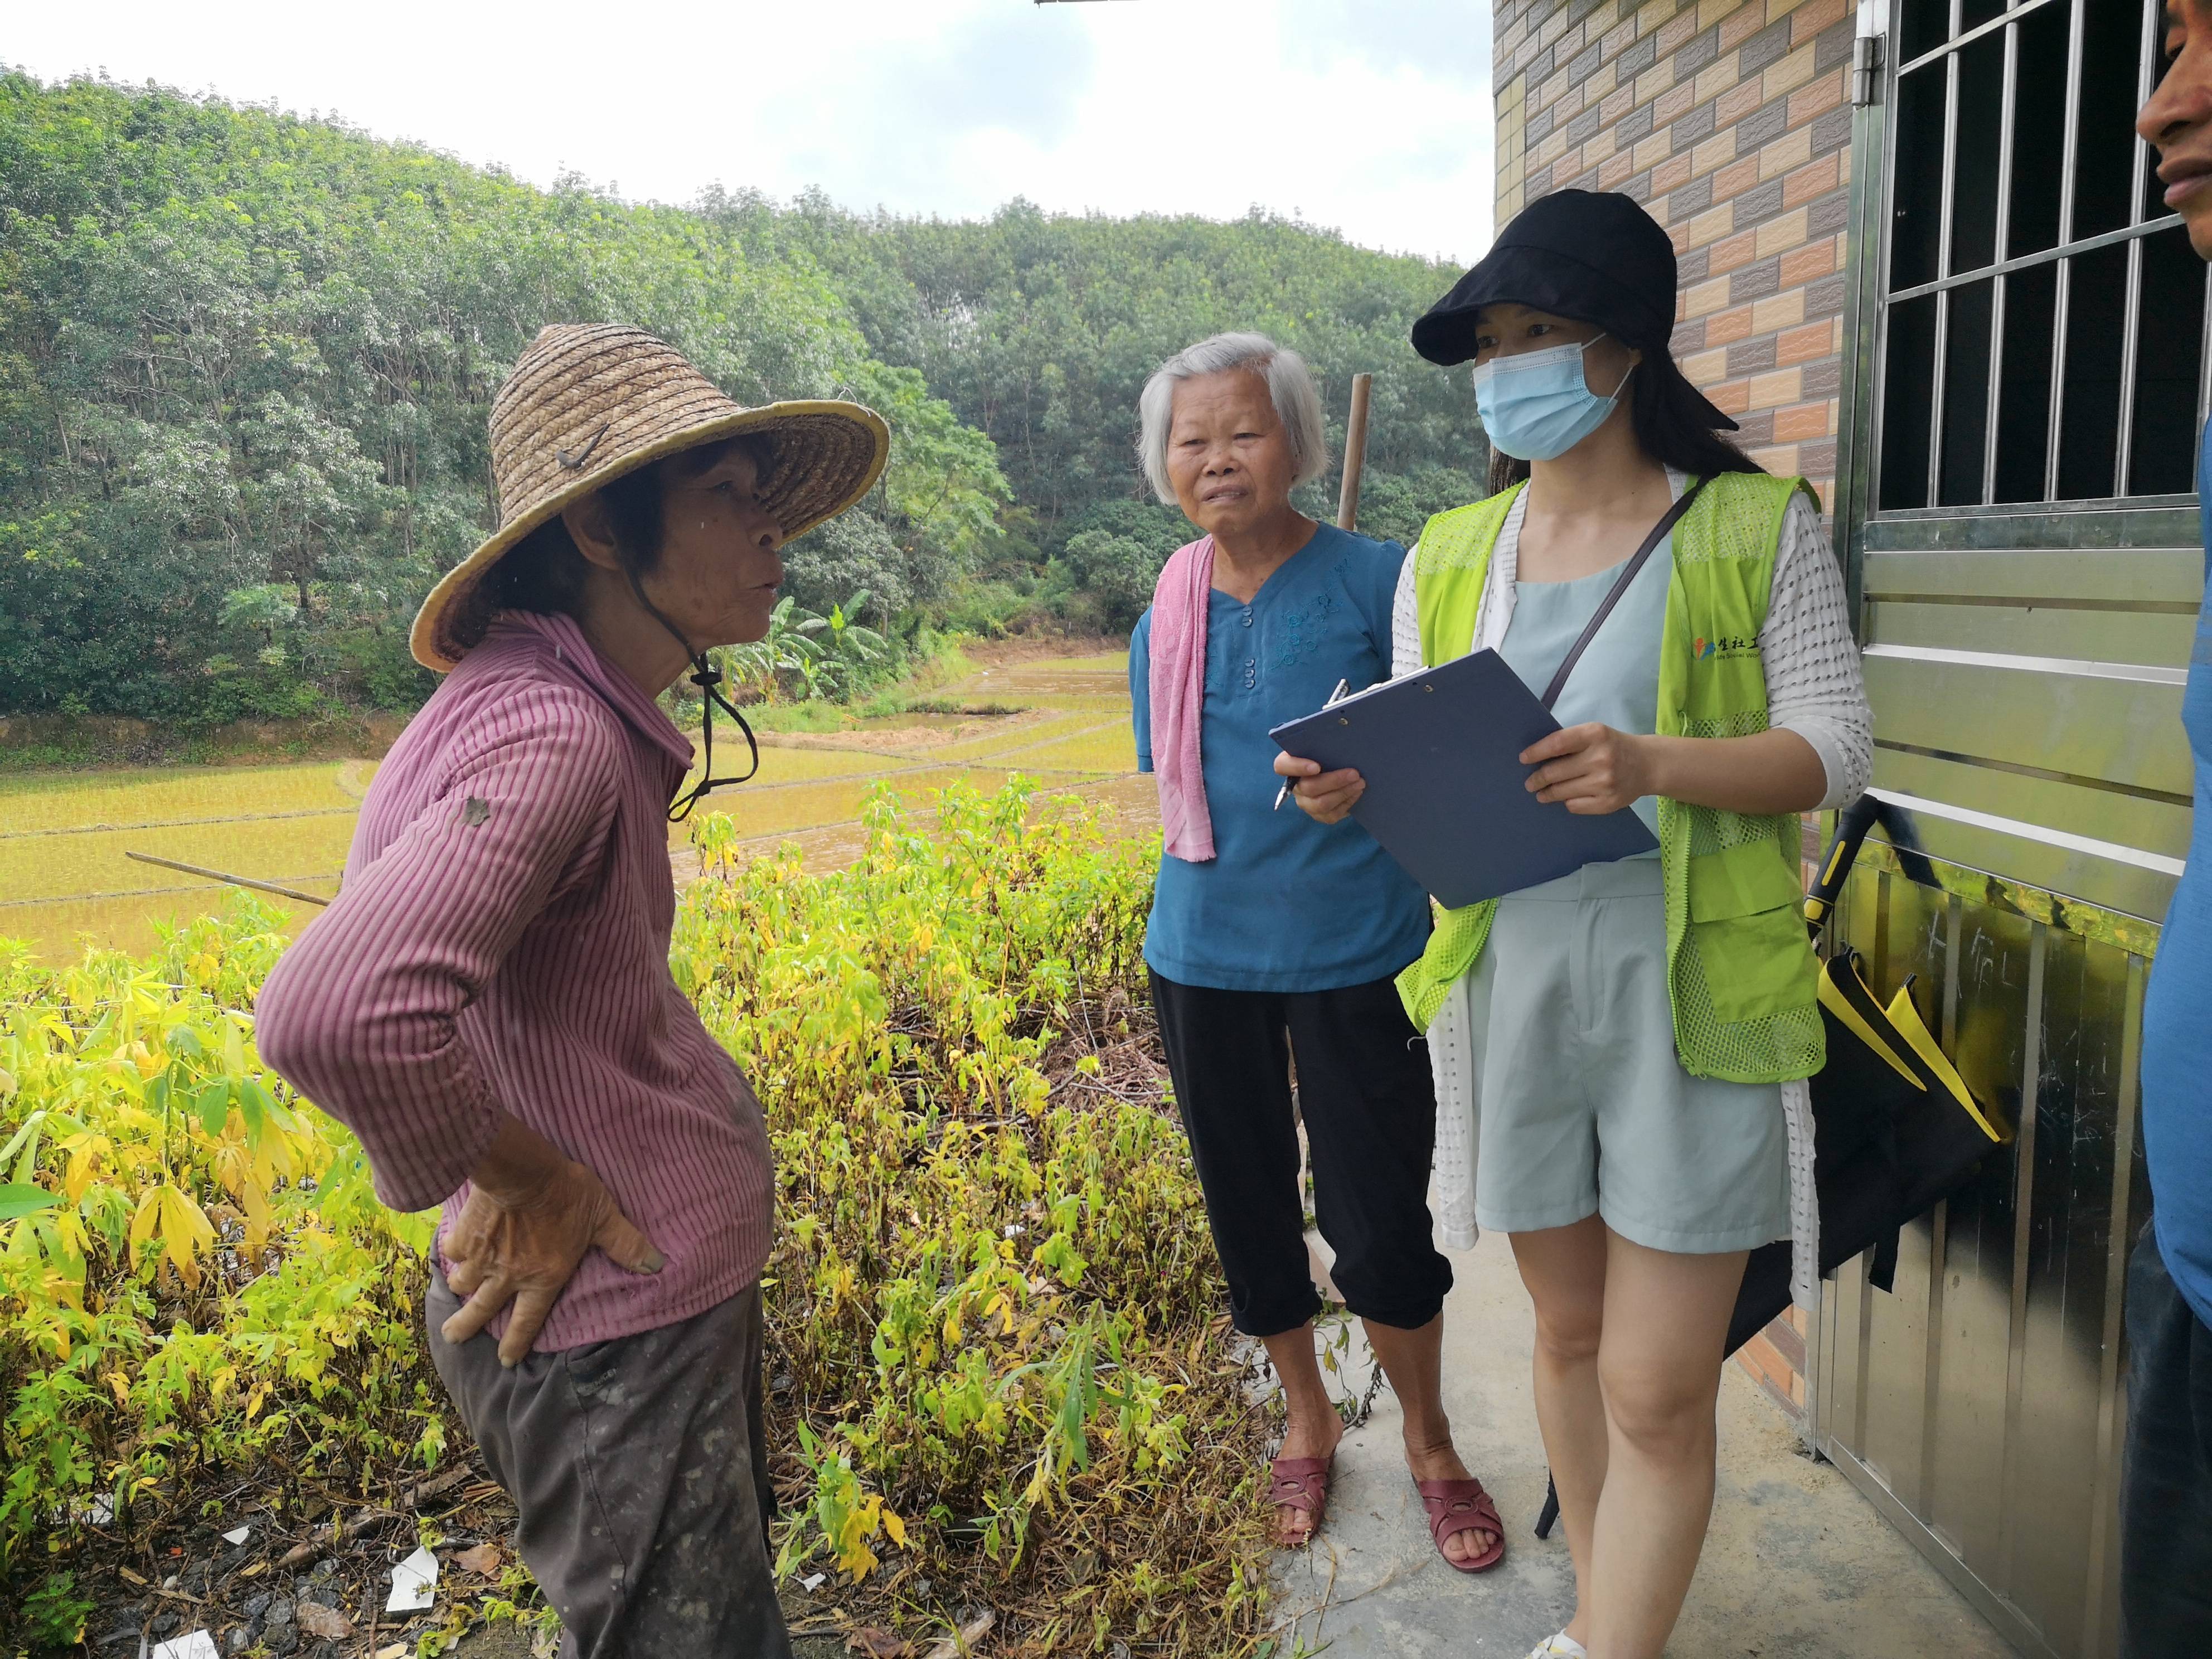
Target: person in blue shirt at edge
<point>1627,1045</point>
<point>1254,624</point>
<point>2166,1482</point>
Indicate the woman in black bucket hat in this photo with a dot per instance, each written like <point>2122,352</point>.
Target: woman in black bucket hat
<point>1625,1048</point>
<point>1595,259</point>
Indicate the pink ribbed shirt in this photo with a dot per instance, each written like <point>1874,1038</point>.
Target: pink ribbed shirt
<point>501,942</point>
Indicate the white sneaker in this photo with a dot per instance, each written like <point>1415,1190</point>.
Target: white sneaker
<point>1562,1646</point>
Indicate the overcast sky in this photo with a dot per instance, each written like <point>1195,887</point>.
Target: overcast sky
<point>1370,116</point>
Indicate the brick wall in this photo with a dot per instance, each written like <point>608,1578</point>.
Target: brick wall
<point>1730,121</point>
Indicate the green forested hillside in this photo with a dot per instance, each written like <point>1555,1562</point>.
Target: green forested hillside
<point>1042,329</point>
<point>245,358</point>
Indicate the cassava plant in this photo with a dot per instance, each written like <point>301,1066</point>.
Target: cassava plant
<point>998,1370</point>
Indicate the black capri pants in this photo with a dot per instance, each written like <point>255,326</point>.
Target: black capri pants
<point>1369,1103</point>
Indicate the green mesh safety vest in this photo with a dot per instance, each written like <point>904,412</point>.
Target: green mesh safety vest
<point>1742,977</point>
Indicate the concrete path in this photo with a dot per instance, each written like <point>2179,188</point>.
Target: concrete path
<point>1798,1566</point>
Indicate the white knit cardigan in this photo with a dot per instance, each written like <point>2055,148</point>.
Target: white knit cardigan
<point>1814,688</point>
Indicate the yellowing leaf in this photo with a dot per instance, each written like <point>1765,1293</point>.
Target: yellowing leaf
<point>85,1151</point>
<point>143,1220</point>
<point>168,1213</point>
<point>895,1527</point>
<point>859,1561</point>
<point>258,1221</point>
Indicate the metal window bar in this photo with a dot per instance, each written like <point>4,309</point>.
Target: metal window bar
<point>1858,443</point>
<point>2029,261</point>
<point>1958,42</point>
<point>1940,391</point>
<point>2130,345</point>
<point>2204,357</point>
<point>2064,255</point>
<point>2003,250</point>
<point>1885,218</point>
<point>2131,321</point>
<point>2062,315</point>
<point>2146,82</point>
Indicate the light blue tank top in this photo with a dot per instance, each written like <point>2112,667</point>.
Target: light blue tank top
<point>1616,683</point>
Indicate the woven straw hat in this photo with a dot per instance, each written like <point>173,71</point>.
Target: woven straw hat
<point>589,402</point>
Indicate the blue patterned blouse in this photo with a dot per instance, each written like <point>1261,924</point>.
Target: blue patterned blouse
<point>1287,904</point>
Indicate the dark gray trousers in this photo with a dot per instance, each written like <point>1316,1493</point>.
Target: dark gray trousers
<point>639,1468</point>
<point>2166,1481</point>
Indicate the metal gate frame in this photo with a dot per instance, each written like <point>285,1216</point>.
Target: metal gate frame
<point>1992,1381</point>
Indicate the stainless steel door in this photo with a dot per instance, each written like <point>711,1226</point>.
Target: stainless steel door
<point>2026,372</point>
<point>1980,1403</point>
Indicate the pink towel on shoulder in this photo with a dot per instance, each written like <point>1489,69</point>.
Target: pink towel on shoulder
<point>1177,685</point>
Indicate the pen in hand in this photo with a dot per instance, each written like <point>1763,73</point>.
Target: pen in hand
<point>1335,697</point>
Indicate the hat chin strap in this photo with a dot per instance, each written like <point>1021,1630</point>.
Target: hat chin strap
<point>705,676</point>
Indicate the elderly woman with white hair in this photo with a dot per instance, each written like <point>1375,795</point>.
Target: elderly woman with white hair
<point>1254,624</point>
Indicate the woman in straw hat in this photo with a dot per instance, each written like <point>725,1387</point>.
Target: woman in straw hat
<point>488,1004</point>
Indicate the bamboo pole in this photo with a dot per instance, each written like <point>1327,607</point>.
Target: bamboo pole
<point>1355,454</point>
<point>234,881</point>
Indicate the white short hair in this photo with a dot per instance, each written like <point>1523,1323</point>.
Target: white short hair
<point>1290,387</point>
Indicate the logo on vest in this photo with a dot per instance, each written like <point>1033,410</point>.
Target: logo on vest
<point>1705,650</point>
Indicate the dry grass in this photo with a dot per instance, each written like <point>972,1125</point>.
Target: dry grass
<point>60,930</point>
<point>35,801</point>
<point>1107,748</point>
<point>1019,743</point>
<point>64,882</point>
<point>91,862</point>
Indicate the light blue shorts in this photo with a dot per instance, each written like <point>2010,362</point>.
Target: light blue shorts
<point>1585,1109</point>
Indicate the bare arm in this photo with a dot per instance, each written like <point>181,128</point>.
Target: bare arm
<point>1594,768</point>
<point>1816,754</point>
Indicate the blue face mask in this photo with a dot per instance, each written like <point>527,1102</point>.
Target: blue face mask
<point>1536,405</point>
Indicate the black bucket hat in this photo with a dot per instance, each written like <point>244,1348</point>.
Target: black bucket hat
<point>1596,256</point>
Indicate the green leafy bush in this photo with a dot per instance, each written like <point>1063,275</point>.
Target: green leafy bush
<point>1393,507</point>
<point>991,1305</point>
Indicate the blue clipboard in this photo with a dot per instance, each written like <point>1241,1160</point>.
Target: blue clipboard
<point>1447,795</point>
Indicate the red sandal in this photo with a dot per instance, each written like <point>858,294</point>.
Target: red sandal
<point>1300,1484</point>
<point>1462,1506</point>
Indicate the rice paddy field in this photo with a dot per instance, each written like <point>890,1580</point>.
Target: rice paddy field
<point>66,883</point>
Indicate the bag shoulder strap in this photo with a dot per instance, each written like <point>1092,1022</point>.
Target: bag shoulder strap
<point>1628,573</point>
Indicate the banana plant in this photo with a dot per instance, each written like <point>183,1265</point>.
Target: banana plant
<point>785,651</point>
<point>819,656</point>
<point>848,648</point>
